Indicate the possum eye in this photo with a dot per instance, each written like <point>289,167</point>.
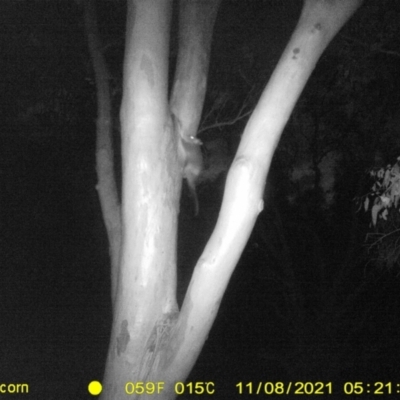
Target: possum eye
<point>195,140</point>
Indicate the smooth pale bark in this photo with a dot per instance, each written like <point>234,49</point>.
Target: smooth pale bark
<point>106,186</point>
<point>196,22</point>
<point>145,306</point>
<point>150,340</point>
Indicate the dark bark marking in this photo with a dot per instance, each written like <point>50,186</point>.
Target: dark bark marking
<point>123,337</point>
<point>296,51</point>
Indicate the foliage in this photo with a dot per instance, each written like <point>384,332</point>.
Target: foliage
<point>384,192</point>
<point>382,202</point>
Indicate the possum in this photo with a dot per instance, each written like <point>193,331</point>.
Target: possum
<point>191,159</point>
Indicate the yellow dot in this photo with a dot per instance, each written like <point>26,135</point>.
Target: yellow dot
<point>95,388</point>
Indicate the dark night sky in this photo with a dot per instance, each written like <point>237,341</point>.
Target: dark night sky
<point>54,286</point>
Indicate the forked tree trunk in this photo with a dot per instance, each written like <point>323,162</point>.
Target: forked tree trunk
<point>151,340</point>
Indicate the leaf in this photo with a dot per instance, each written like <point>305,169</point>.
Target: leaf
<point>386,201</point>
<point>386,180</point>
<point>375,211</point>
<point>366,204</point>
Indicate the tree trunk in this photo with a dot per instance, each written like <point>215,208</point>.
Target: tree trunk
<point>145,306</point>
<point>151,341</point>
<point>106,186</point>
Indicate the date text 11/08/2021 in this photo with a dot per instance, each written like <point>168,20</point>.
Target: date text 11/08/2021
<point>310,388</point>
